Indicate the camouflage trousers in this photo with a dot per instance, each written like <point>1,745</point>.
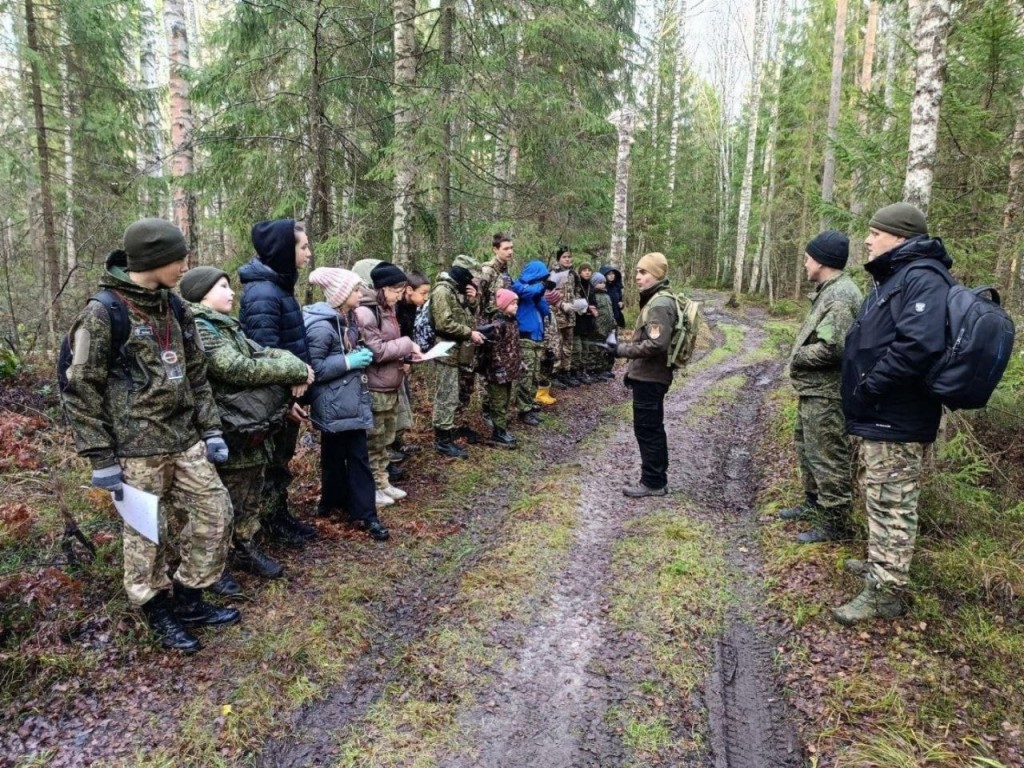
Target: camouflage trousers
<point>499,396</point>
<point>278,476</point>
<point>527,386</point>
<point>890,474</point>
<point>563,355</point>
<point>403,417</point>
<point>194,516</point>
<point>446,396</point>
<point>385,416</point>
<point>595,356</point>
<point>579,362</point>
<point>245,486</point>
<point>823,449</point>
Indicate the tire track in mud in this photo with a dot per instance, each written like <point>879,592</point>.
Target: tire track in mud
<point>549,708</point>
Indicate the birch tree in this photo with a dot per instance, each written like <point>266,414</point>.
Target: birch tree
<point>865,84</point>
<point>151,139</point>
<point>678,69</point>
<point>624,121</point>
<point>404,33</point>
<point>828,175</point>
<point>182,165</point>
<point>929,25</point>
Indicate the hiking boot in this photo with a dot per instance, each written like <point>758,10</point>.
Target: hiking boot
<point>280,532</point>
<point>193,611</point>
<point>543,396</point>
<point>572,381</point>
<point>165,625</point>
<point>383,500</point>
<point>820,533</point>
<point>394,493</point>
<point>855,566</point>
<point>586,378</point>
<point>471,435</point>
<point>305,530</point>
<point>503,438</point>
<point>558,382</point>
<point>443,444</point>
<point>396,456</point>
<point>529,419</point>
<point>640,490</point>
<point>396,473</point>
<point>225,586</point>
<point>606,375</point>
<point>804,511</point>
<point>249,557</point>
<point>873,602</point>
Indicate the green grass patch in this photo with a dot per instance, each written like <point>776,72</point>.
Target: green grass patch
<point>731,345</point>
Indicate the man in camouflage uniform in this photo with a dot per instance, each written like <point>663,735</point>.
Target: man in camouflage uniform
<point>822,444</point>
<point>453,320</point>
<point>494,273</point>
<point>152,423</point>
<point>565,316</point>
<point>898,336</point>
<point>649,374</point>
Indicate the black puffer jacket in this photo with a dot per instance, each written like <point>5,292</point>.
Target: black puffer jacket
<point>269,313</point>
<point>898,336</point>
<point>614,290</point>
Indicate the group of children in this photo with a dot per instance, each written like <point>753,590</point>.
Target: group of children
<point>191,389</point>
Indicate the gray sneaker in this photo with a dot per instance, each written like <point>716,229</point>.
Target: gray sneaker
<point>640,490</point>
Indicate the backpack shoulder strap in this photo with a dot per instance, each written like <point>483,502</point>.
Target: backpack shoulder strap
<point>119,321</point>
<point>178,307</point>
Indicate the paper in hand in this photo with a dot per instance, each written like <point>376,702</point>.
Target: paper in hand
<point>438,350</point>
<point>139,510</point>
<point>612,339</point>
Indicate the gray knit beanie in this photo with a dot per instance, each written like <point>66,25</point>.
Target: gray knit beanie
<point>198,281</point>
<point>902,219</point>
<point>152,243</point>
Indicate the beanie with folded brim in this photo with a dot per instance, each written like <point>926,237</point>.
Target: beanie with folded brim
<point>654,264</point>
<point>153,243</point>
<point>900,219</point>
<point>830,248</point>
<point>387,274</point>
<point>337,284</point>
<point>198,281</point>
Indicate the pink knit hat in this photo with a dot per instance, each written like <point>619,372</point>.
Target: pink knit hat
<point>337,283</point>
<point>504,298</point>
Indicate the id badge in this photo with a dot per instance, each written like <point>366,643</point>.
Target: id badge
<point>171,365</point>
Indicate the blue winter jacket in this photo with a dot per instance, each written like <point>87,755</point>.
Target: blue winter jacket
<point>269,313</point>
<point>340,400</point>
<point>533,309</point>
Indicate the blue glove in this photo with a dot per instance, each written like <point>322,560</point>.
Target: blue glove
<point>358,358</point>
<point>109,479</point>
<point>216,450</point>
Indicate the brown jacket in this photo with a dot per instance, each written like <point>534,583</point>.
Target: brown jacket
<point>382,336</point>
<point>652,335</point>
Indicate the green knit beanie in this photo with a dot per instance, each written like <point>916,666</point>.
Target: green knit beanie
<point>902,219</point>
<point>198,281</point>
<point>152,243</point>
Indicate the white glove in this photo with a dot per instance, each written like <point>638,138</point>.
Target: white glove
<point>579,306</point>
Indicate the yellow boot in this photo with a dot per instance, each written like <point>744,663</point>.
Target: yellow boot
<point>543,396</point>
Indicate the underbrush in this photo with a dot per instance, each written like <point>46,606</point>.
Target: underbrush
<point>943,685</point>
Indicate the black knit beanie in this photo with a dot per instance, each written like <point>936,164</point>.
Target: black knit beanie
<point>152,243</point>
<point>902,219</point>
<point>831,248</point>
<point>198,281</point>
<point>385,274</point>
<point>461,276</point>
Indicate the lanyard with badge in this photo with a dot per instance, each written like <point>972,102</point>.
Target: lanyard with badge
<point>169,358</point>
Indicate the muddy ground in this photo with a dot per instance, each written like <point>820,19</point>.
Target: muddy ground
<point>571,664</point>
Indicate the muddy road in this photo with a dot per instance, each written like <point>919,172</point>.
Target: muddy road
<point>565,669</point>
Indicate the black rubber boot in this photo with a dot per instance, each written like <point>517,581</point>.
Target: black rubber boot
<point>396,473</point>
<point>444,445</point>
<point>471,435</point>
<point>572,381</point>
<point>165,625</point>
<point>249,557</point>
<point>193,611</point>
<point>225,586</point>
<point>503,438</point>
<point>396,457</point>
<point>558,382</point>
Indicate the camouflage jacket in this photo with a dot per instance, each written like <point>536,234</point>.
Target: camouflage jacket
<point>604,323</point>
<point>453,321</point>
<point>158,408</point>
<point>817,355</point>
<point>502,357</point>
<point>493,277</point>
<point>648,349</point>
<point>234,363</point>
<point>570,291</point>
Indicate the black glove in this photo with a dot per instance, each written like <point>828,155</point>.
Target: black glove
<point>549,285</point>
<point>488,331</point>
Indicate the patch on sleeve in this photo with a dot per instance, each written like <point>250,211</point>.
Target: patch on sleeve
<point>654,331</point>
<point>80,346</point>
<point>919,307</point>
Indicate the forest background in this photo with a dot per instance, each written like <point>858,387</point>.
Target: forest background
<point>724,134</point>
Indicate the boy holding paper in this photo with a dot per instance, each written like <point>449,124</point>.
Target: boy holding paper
<point>146,417</point>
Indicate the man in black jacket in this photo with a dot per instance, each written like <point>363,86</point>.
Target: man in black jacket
<point>896,339</point>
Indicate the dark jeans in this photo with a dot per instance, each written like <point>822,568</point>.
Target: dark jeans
<point>649,428</point>
<point>278,477</point>
<point>346,481</point>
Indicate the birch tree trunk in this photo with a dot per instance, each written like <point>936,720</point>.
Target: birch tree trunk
<point>625,122</point>
<point>318,209</point>
<point>149,155</point>
<point>51,253</point>
<point>677,97</point>
<point>405,166</point>
<point>743,222</point>
<point>759,273</point>
<point>929,24</point>
<point>828,175</point>
<point>444,214</point>
<point>866,72</point>
<point>67,110</point>
<point>181,118</point>
<point>1008,263</point>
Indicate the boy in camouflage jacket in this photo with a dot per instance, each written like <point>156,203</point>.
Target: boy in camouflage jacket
<point>599,361</point>
<point>502,364</point>
<point>236,364</point>
<point>155,426</point>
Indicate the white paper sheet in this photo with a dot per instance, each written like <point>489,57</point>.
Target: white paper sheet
<point>139,510</point>
<point>438,350</point>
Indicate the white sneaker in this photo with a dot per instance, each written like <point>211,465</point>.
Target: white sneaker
<point>383,500</point>
<point>395,493</point>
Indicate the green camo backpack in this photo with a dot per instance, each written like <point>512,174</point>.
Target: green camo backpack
<point>686,329</point>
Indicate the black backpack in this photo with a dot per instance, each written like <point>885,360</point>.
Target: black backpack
<point>120,327</point>
<point>979,342</point>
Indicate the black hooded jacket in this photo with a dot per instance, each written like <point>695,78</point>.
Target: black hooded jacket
<point>269,313</point>
<point>898,336</point>
<point>615,293</point>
